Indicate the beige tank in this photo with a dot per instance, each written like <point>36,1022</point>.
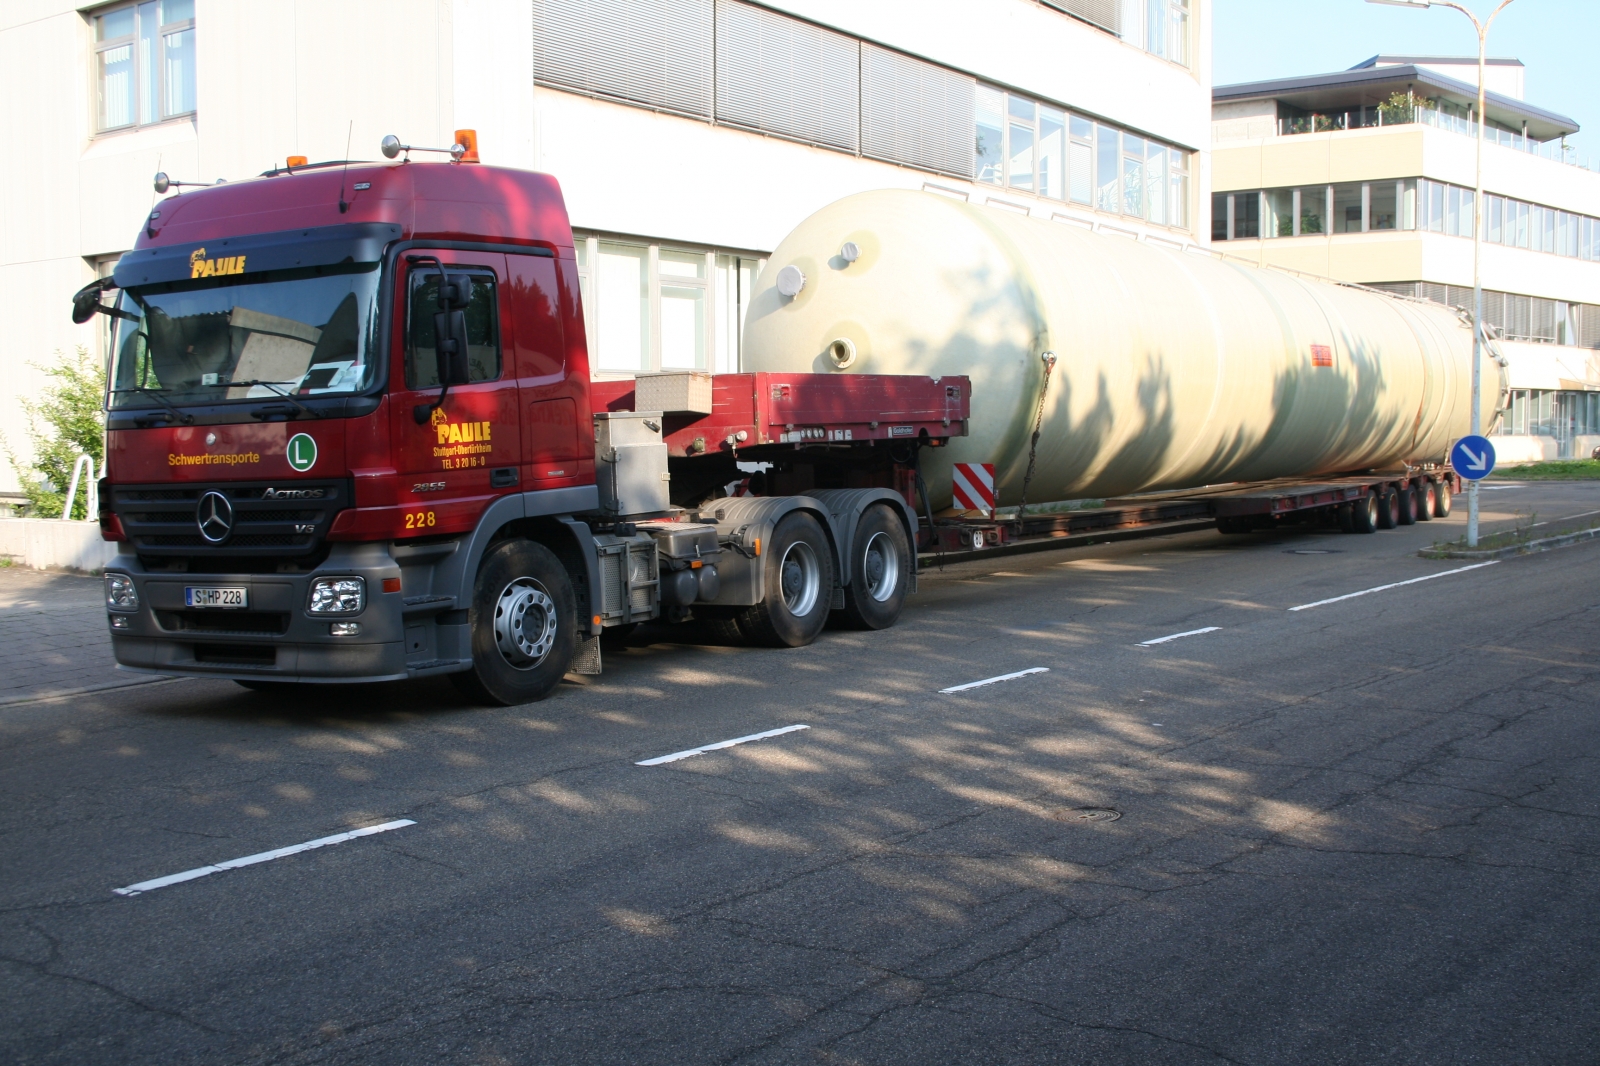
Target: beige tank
<point>1174,369</point>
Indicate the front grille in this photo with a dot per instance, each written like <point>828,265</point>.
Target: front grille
<point>271,622</point>
<point>163,520</point>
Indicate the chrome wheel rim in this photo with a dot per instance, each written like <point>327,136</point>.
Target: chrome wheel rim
<point>524,623</point>
<point>800,577</point>
<point>880,567</point>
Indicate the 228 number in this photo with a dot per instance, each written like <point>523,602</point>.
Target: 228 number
<point>419,519</point>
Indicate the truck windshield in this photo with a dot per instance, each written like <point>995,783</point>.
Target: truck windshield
<point>302,332</point>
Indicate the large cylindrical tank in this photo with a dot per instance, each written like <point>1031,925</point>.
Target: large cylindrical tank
<point>1174,369</point>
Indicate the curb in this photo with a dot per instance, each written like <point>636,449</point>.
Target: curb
<point>64,693</point>
<point>1542,545</point>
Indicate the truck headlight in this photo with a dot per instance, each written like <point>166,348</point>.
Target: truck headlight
<point>338,595</point>
<point>120,593</point>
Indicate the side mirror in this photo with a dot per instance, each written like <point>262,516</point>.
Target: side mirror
<point>86,301</point>
<point>450,340</point>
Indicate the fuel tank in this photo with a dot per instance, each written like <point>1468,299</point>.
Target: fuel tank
<point>1171,369</point>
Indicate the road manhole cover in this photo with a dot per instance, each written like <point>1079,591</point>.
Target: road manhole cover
<point>1312,551</point>
<point>1088,814</point>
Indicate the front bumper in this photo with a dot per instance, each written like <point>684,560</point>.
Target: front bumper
<point>276,637</point>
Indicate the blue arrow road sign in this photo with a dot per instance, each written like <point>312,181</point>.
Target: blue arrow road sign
<point>1473,457</point>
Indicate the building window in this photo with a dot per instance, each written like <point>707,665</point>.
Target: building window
<point>144,63</point>
<point>1564,415</point>
<point>1410,203</point>
<point>649,307</point>
<point>1024,144</point>
<point>1166,29</point>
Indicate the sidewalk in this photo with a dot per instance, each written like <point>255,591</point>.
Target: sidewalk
<point>53,636</point>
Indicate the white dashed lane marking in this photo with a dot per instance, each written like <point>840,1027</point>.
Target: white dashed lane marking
<point>1175,636</point>
<point>993,680</point>
<point>1392,585</point>
<point>265,856</point>
<point>719,745</point>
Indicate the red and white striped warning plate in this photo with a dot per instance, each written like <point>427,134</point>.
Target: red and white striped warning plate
<point>974,487</point>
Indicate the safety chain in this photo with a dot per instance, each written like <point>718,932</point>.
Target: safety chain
<point>1049,359</point>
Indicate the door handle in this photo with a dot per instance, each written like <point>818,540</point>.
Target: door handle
<point>503,478</point>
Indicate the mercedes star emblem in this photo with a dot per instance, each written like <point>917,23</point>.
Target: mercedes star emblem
<point>214,516</point>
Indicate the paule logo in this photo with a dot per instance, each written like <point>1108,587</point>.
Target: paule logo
<point>461,445</point>
<point>201,267</point>
<point>460,432</point>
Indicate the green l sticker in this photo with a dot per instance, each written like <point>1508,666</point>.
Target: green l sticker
<point>302,452</point>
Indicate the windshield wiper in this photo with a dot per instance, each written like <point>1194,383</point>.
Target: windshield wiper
<point>275,386</point>
<point>155,394</point>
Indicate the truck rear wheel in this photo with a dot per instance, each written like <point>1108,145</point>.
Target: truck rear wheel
<point>1441,501</point>
<point>880,571</point>
<point>1426,501</point>
<point>1388,509</point>
<point>524,621</point>
<point>797,586</point>
<point>1406,500</point>
<point>1364,514</point>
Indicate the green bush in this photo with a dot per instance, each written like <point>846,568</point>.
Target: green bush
<point>68,421</point>
<point>1551,470</point>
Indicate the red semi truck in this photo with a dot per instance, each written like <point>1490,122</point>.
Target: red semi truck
<point>352,436</point>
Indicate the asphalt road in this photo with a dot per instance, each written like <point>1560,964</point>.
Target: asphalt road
<point>1367,831</point>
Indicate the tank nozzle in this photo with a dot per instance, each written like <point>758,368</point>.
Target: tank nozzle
<point>791,280</point>
<point>843,352</point>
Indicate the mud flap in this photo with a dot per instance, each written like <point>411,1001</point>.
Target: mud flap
<point>586,657</point>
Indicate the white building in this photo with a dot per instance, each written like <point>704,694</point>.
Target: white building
<point>689,135</point>
<point>1369,175</point>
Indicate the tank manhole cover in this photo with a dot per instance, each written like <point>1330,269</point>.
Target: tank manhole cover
<point>1088,814</point>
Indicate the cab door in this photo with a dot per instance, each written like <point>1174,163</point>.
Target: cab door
<point>469,449</point>
<point>555,423</point>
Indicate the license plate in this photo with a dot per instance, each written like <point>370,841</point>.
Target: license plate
<point>209,597</point>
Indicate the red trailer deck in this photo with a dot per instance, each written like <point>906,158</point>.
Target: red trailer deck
<point>755,410</point>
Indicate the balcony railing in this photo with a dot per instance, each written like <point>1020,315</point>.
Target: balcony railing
<point>1372,116</point>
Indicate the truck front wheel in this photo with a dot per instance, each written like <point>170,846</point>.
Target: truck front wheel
<point>798,586</point>
<point>524,621</point>
<point>880,571</point>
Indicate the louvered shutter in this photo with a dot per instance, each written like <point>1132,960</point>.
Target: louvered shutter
<point>783,76</point>
<point>652,52</point>
<point>916,113</point>
<point>1107,14</point>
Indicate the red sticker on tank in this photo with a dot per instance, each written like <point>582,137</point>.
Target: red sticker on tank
<point>1321,355</point>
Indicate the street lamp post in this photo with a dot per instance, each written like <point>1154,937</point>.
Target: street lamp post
<point>1477,237</point>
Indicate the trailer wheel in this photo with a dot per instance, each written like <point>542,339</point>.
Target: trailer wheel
<point>524,623</point>
<point>798,580</point>
<point>880,571</point>
<point>1388,509</point>
<point>1232,524</point>
<point>1345,514</point>
<point>1406,504</point>
<point>1441,501</point>
<point>1427,500</point>
<point>1364,514</point>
